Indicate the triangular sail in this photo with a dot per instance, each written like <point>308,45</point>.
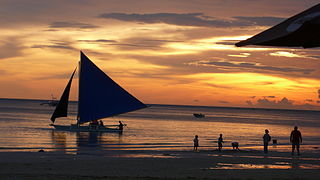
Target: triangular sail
<point>100,96</point>
<point>62,107</point>
<point>301,30</point>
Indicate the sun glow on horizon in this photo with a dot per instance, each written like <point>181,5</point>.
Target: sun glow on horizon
<point>253,84</point>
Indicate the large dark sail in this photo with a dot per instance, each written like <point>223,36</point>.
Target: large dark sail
<point>62,107</point>
<point>100,96</point>
<point>301,30</point>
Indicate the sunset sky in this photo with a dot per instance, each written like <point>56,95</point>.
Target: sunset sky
<point>162,52</point>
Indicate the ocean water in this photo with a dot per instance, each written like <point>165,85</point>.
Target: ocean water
<point>24,126</point>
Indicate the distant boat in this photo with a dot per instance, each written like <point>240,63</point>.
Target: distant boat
<point>199,115</point>
<point>99,97</point>
<point>52,102</point>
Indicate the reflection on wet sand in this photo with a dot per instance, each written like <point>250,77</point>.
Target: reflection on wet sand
<point>164,155</point>
<point>268,162</point>
<point>276,165</point>
<point>250,166</point>
<point>270,157</point>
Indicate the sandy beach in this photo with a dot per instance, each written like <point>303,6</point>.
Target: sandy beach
<point>115,164</point>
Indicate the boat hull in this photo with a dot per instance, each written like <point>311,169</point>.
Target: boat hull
<point>199,115</point>
<point>76,128</point>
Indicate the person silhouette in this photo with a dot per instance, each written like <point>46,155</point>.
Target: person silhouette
<point>101,123</point>
<point>220,141</point>
<point>120,125</point>
<point>235,145</point>
<point>295,139</point>
<point>195,143</point>
<point>266,138</point>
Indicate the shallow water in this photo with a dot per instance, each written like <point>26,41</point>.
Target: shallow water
<point>277,165</point>
<point>24,126</point>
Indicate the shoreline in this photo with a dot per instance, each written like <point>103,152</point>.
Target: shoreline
<point>142,164</point>
<point>281,148</point>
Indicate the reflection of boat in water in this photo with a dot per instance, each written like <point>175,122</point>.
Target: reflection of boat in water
<point>88,139</point>
<point>52,102</point>
<point>199,115</point>
<point>59,140</point>
<point>99,97</point>
<point>83,142</point>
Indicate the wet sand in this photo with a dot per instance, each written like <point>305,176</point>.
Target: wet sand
<point>122,164</point>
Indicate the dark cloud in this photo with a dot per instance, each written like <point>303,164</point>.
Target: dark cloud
<point>250,65</point>
<point>284,103</point>
<point>77,25</point>
<point>309,100</point>
<point>313,56</point>
<point>136,43</point>
<point>227,42</point>
<point>10,47</point>
<point>146,74</point>
<point>128,46</point>
<point>261,21</point>
<point>193,19</point>
<point>55,45</point>
<point>3,72</point>
<point>65,75</point>
<point>133,43</point>
<point>98,41</point>
<point>160,40</point>
<point>250,103</point>
<point>224,102</point>
<point>269,96</point>
<point>219,86</point>
<point>264,83</point>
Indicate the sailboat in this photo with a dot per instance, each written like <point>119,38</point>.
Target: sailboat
<point>52,102</point>
<point>99,97</point>
<point>300,30</point>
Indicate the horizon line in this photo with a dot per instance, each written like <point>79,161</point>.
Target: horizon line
<point>188,105</point>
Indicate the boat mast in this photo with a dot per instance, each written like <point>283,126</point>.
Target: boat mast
<point>79,76</point>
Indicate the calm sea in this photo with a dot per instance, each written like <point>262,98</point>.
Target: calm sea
<point>24,126</point>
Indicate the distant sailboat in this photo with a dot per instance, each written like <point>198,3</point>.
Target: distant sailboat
<point>99,97</point>
<point>199,115</point>
<point>52,102</point>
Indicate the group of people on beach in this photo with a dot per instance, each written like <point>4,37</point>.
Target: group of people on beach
<point>295,139</point>
<point>235,145</point>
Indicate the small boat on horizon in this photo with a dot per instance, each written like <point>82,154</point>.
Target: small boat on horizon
<point>99,97</point>
<point>52,102</point>
<point>198,115</point>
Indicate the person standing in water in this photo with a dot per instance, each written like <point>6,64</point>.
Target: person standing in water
<point>120,125</point>
<point>295,139</point>
<point>195,143</point>
<point>220,141</point>
<point>266,139</point>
